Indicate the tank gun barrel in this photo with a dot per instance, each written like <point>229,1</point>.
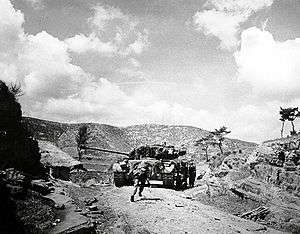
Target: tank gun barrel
<point>104,150</point>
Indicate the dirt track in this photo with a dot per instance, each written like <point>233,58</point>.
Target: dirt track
<point>167,211</point>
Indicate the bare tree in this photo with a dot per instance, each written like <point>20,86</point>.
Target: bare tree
<point>16,90</point>
<point>82,139</point>
<point>204,143</point>
<point>288,114</point>
<point>219,135</point>
<point>283,117</point>
<point>292,117</point>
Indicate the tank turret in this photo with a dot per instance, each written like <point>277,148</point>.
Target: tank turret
<point>159,152</point>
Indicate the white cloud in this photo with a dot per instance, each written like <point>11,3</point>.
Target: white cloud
<point>140,44</point>
<point>112,32</point>
<point>104,15</point>
<point>222,18</point>
<point>219,24</point>
<point>40,62</point>
<point>11,35</point>
<point>48,69</point>
<point>242,7</point>
<point>115,41</point>
<point>10,23</point>
<point>81,44</point>
<point>271,67</point>
<point>106,102</point>
<point>43,64</point>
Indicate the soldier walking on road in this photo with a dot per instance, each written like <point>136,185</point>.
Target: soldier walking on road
<point>141,176</point>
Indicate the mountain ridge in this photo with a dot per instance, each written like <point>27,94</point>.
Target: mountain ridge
<point>126,138</point>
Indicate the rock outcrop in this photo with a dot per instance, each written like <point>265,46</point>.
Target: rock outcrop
<point>17,148</point>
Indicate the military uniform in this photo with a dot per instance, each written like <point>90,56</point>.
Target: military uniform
<point>192,174</point>
<point>140,177</point>
<point>184,173</point>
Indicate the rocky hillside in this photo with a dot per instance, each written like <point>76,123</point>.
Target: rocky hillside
<point>125,138</point>
<point>282,140</point>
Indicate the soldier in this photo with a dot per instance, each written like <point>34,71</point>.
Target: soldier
<point>178,178</point>
<point>140,176</point>
<point>133,154</point>
<point>192,174</point>
<point>181,175</point>
<point>125,165</point>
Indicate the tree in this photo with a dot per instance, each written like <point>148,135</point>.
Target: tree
<point>219,136</point>
<point>16,90</point>
<point>292,117</point>
<point>82,139</point>
<point>283,117</point>
<point>204,143</point>
<point>288,114</point>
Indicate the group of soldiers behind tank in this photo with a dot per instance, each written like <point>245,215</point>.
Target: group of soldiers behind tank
<point>286,153</point>
<point>185,174</point>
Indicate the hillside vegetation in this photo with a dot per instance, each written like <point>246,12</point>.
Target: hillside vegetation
<point>126,138</point>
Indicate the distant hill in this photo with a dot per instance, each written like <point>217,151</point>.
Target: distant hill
<point>125,138</point>
<point>283,140</point>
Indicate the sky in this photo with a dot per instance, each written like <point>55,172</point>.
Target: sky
<point>202,63</point>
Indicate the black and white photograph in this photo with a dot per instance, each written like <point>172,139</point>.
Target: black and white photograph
<point>149,116</point>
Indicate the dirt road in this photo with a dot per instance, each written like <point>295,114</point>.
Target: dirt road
<point>167,211</point>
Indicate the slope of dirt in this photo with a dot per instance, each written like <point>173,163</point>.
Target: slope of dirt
<point>166,211</point>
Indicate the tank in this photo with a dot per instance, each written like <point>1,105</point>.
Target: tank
<point>168,168</point>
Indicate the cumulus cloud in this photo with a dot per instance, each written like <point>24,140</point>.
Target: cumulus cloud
<point>112,33</point>
<point>219,24</point>
<point>104,15</point>
<point>270,67</point>
<point>222,18</point>
<point>50,79</point>
<point>48,68</point>
<point>115,41</point>
<point>11,37</point>
<point>10,26</point>
<point>81,43</point>
<point>40,62</point>
<point>106,102</point>
<point>11,34</point>
<point>43,63</point>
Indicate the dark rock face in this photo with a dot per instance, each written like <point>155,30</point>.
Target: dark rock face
<point>17,148</point>
<point>10,110</point>
<point>8,220</point>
